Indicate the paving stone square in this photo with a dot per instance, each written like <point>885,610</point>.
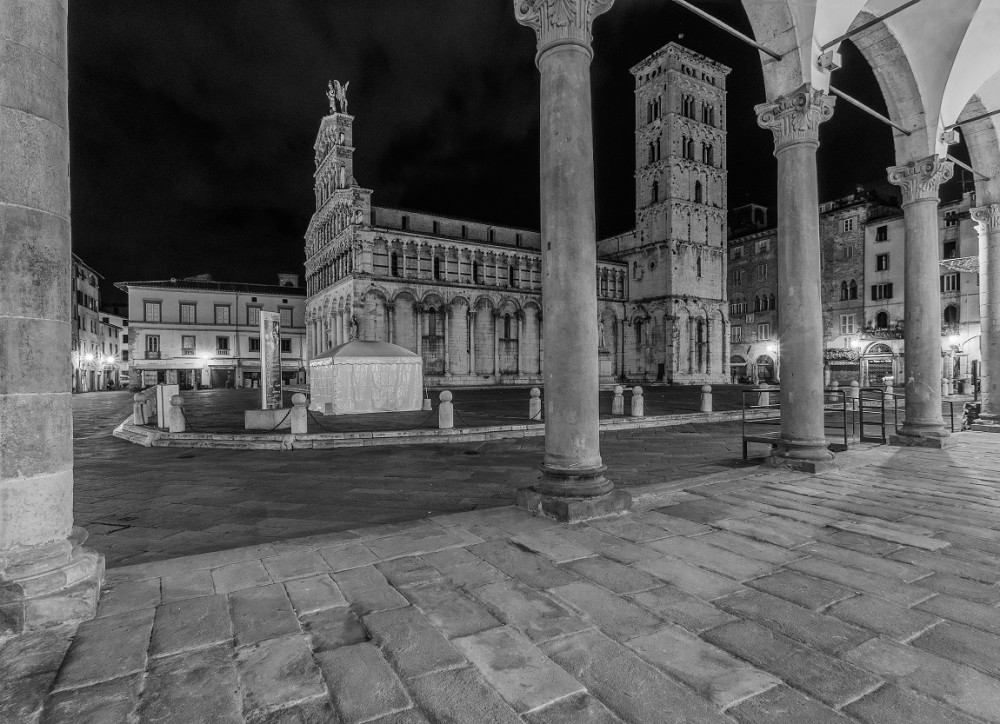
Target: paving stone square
<point>767,608</point>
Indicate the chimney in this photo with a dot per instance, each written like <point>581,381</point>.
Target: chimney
<point>288,280</point>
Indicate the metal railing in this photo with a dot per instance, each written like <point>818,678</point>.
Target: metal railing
<point>836,418</point>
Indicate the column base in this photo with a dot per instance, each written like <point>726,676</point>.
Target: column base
<point>51,585</point>
<point>932,437</point>
<point>807,458</point>
<point>986,425</point>
<point>574,509</point>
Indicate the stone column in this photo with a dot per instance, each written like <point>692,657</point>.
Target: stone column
<point>46,577</point>
<point>390,322</point>
<point>573,485</point>
<point>988,226</point>
<point>923,424</point>
<point>496,342</point>
<point>472,340</point>
<point>692,343</point>
<point>794,120</point>
<point>519,315</point>
<point>447,340</point>
<point>708,344</point>
<point>418,309</point>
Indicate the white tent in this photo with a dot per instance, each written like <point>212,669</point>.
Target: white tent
<point>366,377</point>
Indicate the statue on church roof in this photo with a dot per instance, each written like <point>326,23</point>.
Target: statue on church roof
<point>337,95</point>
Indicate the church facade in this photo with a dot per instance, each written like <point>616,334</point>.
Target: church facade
<point>466,295</point>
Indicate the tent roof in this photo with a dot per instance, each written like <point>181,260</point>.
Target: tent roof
<point>361,348</point>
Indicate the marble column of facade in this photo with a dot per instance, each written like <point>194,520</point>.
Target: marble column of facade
<point>923,423</point>
<point>46,576</point>
<point>418,310</point>
<point>447,338</point>
<point>692,343</point>
<point>573,484</point>
<point>496,343</point>
<point>471,326</point>
<point>390,322</point>
<point>520,340</point>
<point>987,220</point>
<point>794,120</point>
<point>708,345</point>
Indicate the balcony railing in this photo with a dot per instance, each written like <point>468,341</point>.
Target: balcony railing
<point>222,352</point>
<point>187,351</point>
<point>152,354</point>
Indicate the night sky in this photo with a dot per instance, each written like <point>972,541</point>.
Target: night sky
<point>192,122</point>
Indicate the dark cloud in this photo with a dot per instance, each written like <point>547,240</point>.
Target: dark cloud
<point>192,122</point>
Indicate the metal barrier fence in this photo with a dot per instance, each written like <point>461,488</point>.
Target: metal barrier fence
<point>867,418</point>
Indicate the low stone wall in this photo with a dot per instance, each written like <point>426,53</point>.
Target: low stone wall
<point>152,437</point>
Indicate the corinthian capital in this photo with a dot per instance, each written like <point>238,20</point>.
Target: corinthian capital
<point>920,180</point>
<point>558,22</point>
<point>987,218</point>
<point>795,118</point>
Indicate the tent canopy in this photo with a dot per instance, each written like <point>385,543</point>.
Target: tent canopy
<point>361,376</point>
<point>357,348</point>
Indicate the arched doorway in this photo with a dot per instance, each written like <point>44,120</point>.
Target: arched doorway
<point>877,365</point>
<point>765,368</point>
<point>738,369</point>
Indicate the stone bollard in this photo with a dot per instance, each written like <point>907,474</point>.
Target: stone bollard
<point>706,398</point>
<point>175,419</point>
<point>446,411</point>
<point>834,387</point>
<point>618,401</point>
<point>638,409</point>
<point>299,415</point>
<point>887,400</point>
<point>535,404</point>
<point>137,409</point>
<point>855,393</point>
<point>945,387</point>
<point>763,396</point>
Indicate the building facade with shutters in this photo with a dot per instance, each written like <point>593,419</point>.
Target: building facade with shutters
<point>198,333</point>
<point>86,358</point>
<point>466,295</point>
<point>863,245</point>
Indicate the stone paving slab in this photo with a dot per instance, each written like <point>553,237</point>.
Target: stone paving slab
<point>758,611</point>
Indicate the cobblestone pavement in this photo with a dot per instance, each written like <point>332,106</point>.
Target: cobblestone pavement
<point>868,594</point>
<point>142,504</point>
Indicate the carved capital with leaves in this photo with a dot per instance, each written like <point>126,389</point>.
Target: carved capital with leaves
<point>920,180</point>
<point>560,22</point>
<point>987,218</point>
<point>795,117</point>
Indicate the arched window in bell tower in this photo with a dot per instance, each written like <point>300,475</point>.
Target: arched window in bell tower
<point>437,268</point>
<point>698,267</point>
<point>697,192</point>
<point>394,264</point>
<point>655,192</point>
<point>657,149</point>
<point>651,153</point>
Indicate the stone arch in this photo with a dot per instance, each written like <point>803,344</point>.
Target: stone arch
<point>432,298</point>
<point>484,301</point>
<point>889,63</point>
<point>982,139</point>
<point>508,304</point>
